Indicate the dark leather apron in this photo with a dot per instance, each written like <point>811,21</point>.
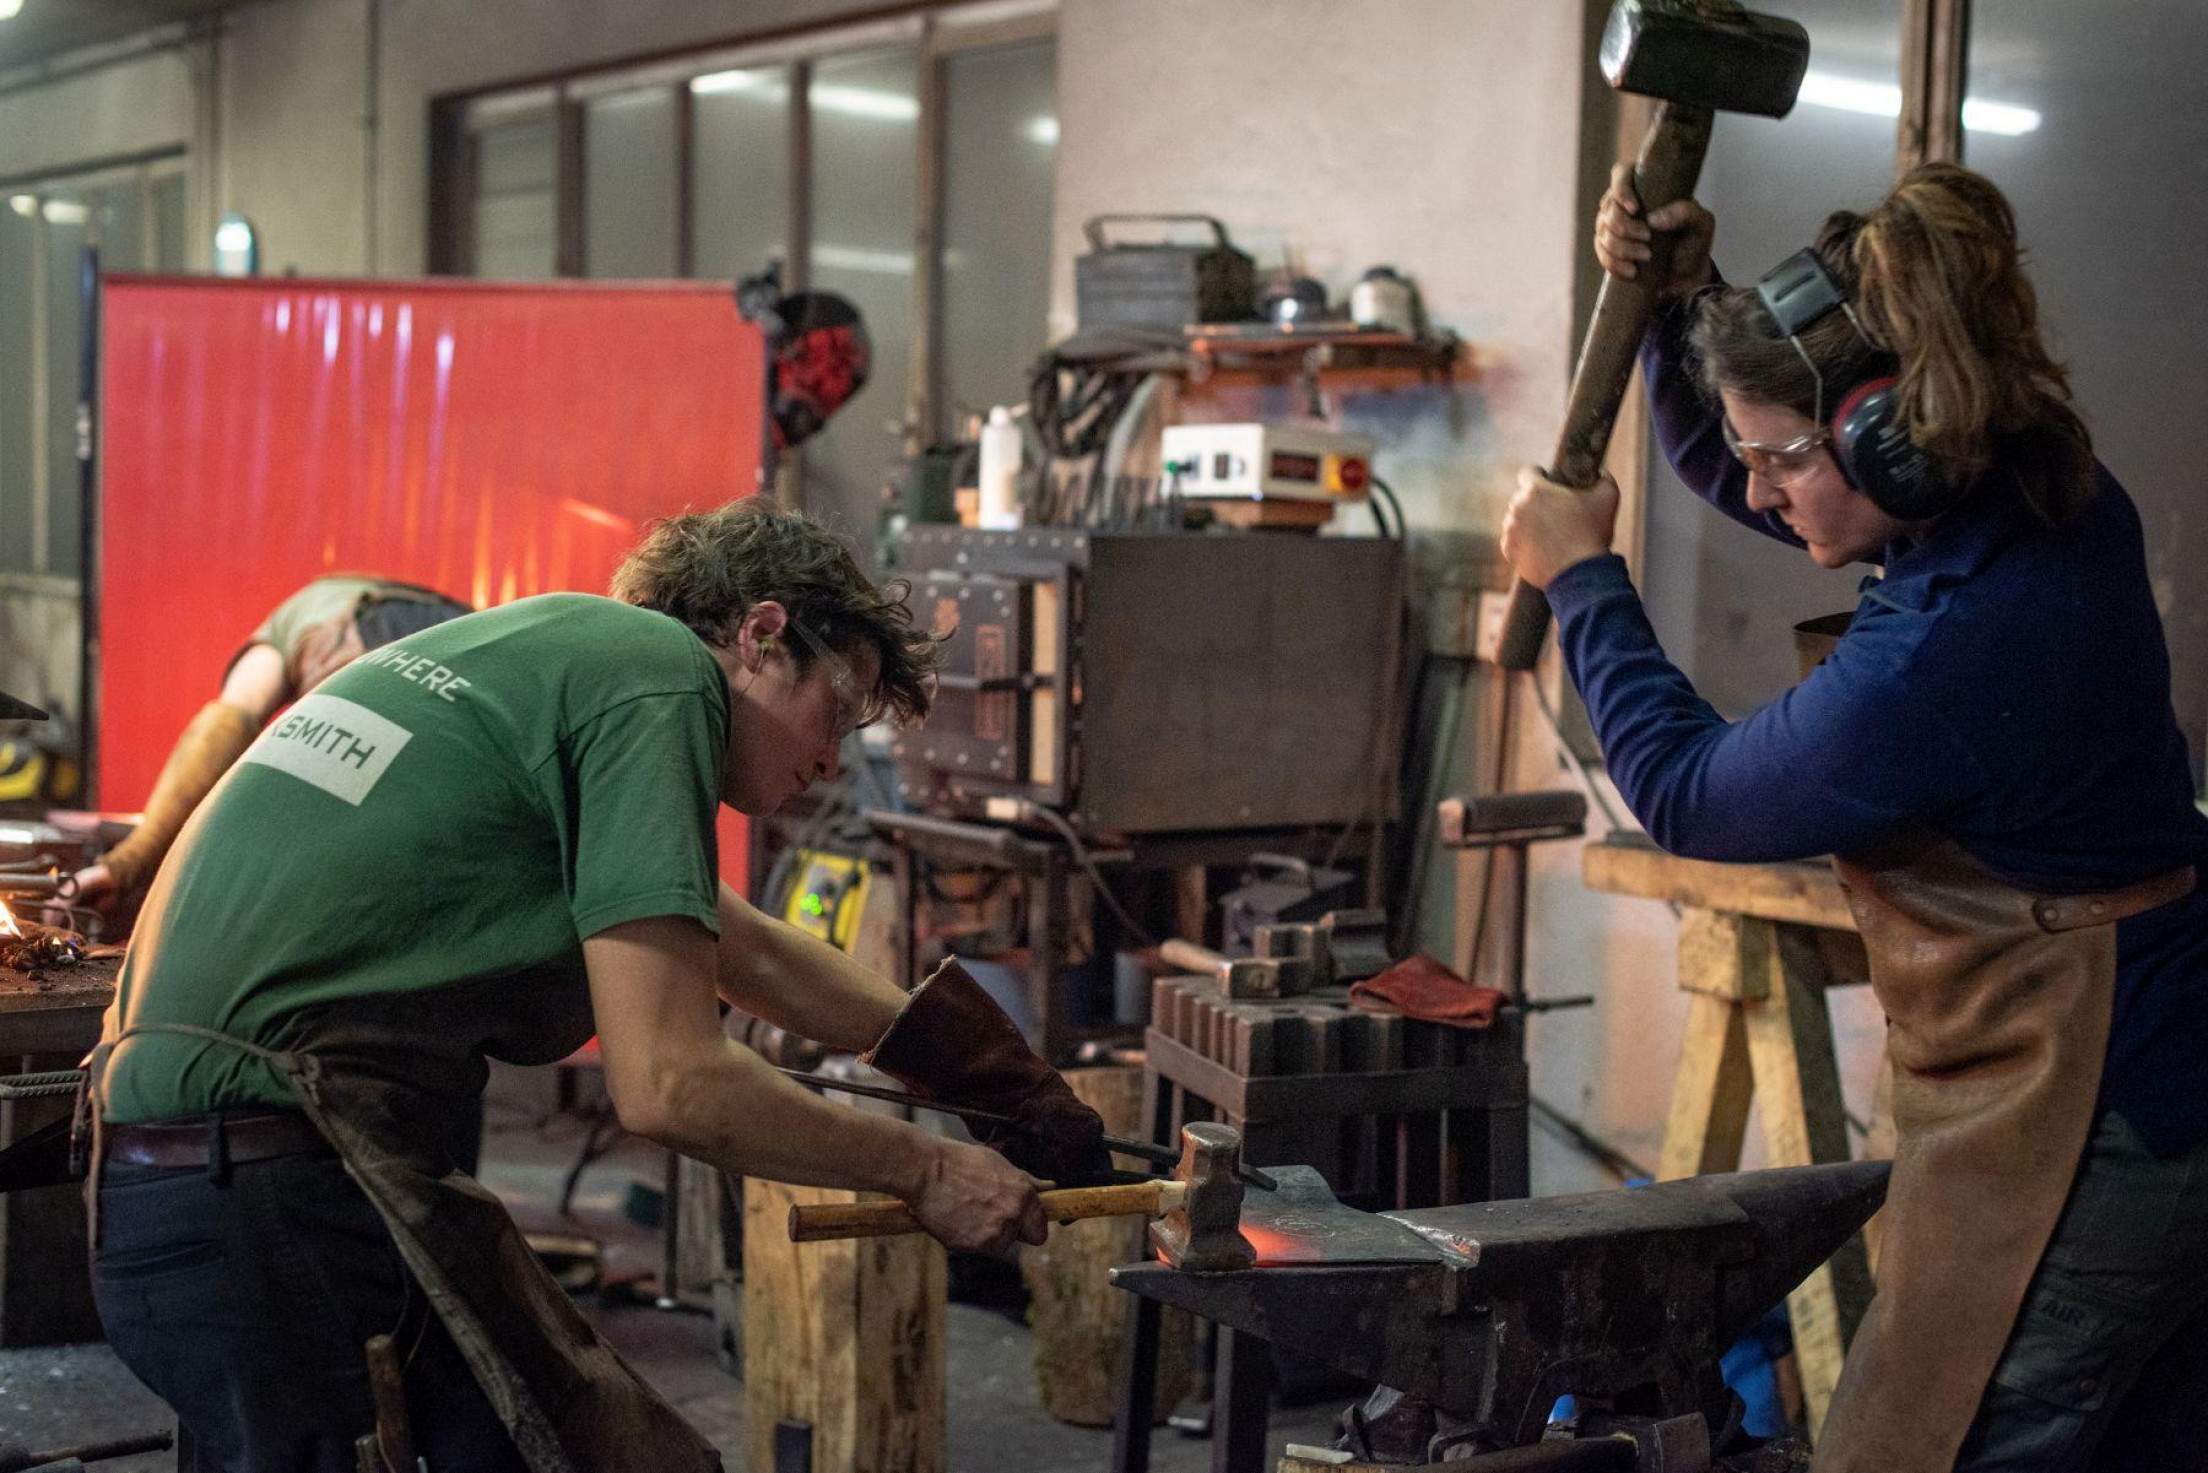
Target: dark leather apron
<point>1998,1007</point>
<point>381,1078</point>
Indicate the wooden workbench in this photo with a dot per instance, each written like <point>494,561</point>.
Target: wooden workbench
<point>1758,947</point>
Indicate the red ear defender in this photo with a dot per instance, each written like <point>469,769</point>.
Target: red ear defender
<point>1879,459</point>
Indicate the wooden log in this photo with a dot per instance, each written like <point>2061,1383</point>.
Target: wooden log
<point>845,1338</point>
<point>1079,1318</point>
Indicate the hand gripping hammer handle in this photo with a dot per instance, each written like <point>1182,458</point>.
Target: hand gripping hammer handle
<point>1669,164</point>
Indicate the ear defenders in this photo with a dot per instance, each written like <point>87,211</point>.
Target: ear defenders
<point>1869,440</point>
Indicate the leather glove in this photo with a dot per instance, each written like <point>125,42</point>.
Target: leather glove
<point>951,1042</point>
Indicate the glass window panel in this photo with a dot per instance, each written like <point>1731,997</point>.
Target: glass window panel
<point>2069,109</point>
<point>1724,599</point>
<point>740,171</point>
<point>1001,138</point>
<point>68,218</point>
<point>629,184</point>
<point>865,114</point>
<point>170,253</point>
<point>19,229</point>
<point>118,226</point>
<point>516,204</point>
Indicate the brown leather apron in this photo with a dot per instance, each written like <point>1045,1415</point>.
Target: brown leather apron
<point>1998,1006</point>
<point>379,1078</point>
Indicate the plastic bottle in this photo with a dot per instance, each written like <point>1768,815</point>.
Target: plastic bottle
<point>999,473</point>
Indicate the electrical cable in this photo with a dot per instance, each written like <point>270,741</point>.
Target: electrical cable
<point>1031,809</point>
<point>1624,1167</point>
<point>1387,493</point>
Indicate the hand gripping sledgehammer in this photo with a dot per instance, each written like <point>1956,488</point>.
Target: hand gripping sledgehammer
<point>1698,57</point>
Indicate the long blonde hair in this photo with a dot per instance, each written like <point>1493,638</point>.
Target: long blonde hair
<point>1937,280</point>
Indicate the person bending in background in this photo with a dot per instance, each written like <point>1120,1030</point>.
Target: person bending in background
<point>1990,751</point>
<point>306,638</point>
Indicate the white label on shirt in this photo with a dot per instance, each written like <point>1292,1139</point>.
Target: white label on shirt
<point>339,746</point>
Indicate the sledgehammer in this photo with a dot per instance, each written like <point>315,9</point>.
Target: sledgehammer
<point>1698,57</point>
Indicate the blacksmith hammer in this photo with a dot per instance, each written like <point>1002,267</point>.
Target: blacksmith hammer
<point>1697,57</point>
<point>1295,957</point>
<point>1199,1207</point>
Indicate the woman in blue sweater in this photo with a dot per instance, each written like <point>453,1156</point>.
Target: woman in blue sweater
<point>1990,753</point>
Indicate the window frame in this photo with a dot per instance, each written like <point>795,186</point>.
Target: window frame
<point>936,32</point>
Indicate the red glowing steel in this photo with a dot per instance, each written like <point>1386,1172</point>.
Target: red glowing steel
<point>488,440</point>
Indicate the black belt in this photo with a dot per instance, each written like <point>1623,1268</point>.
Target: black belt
<point>212,1140</point>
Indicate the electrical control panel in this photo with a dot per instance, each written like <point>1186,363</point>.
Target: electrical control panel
<point>1254,462</point>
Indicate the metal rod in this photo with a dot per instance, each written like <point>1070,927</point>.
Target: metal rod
<point>14,1459</point>
<point>1163,1155</point>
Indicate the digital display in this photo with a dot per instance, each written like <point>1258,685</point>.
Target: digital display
<point>1287,465</point>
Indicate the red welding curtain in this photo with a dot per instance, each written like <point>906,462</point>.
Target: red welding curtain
<point>489,440</point>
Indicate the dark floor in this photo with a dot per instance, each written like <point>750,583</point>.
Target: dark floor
<point>51,1398</point>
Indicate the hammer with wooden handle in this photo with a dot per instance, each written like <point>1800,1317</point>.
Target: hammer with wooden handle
<point>828,1221</point>
<point>1698,56</point>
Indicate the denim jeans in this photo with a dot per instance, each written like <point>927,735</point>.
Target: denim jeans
<point>245,1304</point>
<point>2107,1367</point>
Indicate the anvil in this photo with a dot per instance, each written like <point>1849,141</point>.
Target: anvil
<point>1493,1310</point>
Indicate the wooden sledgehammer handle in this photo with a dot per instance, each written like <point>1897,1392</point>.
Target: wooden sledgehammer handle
<point>828,1221</point>
<point>1669,164</point>
<point>1199,959</point>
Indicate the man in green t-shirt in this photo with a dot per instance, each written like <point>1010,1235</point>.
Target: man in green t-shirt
<point>304,639</point>
<point>489,840</point>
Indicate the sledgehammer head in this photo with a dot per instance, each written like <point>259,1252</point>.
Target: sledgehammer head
<point>1707,53</point>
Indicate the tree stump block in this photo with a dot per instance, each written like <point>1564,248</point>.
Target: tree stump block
<point>843,1342</point>
<point>1079,1318</point>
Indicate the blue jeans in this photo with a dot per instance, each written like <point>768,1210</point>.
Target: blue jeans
<point>245,1304</point>
<point>2107,1367</point>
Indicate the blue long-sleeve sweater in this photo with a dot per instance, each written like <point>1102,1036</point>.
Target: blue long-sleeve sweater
<point>2003,684</point>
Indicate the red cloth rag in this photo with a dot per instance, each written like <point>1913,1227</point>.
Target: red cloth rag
<point>1420,987</point>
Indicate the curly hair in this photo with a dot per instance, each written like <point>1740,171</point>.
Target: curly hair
<point>709,568</point>
<point>1938,280</point>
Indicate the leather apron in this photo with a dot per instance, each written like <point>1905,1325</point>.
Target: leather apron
<point>1998,1004</point>
<point>381,1078</point>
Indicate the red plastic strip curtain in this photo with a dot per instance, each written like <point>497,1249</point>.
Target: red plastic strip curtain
<point>490,441</point>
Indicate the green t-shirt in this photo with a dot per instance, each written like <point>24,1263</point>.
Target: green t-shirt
<point>467,803</point>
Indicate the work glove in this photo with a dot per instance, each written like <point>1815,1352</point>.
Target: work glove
<point>951,1042</point>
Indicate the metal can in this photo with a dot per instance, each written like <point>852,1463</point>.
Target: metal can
<point>1384,302</point>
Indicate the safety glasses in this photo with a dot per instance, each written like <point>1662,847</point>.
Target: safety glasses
<point>1780,464</point>
<point>851,704</point>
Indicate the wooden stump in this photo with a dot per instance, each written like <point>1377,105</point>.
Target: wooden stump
<point>843,1338</point>
<point>1079,1318</point>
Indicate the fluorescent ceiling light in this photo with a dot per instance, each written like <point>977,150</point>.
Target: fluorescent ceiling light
<point>25,205</point>
<point>66,212</point>
<point>859,102</point>
<point>1043,130</point>
<point>855,258</point>
<point>1983,116</point>
<point>863,102</point>
<point>1883,100</point>
<point>738,81</point>
<point>8,8</point>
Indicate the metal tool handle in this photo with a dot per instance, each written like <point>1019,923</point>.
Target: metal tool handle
<point>1093,228</point>
<point>1669,165</point>
<point>828,1221</point>
<point>394,1435</point>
